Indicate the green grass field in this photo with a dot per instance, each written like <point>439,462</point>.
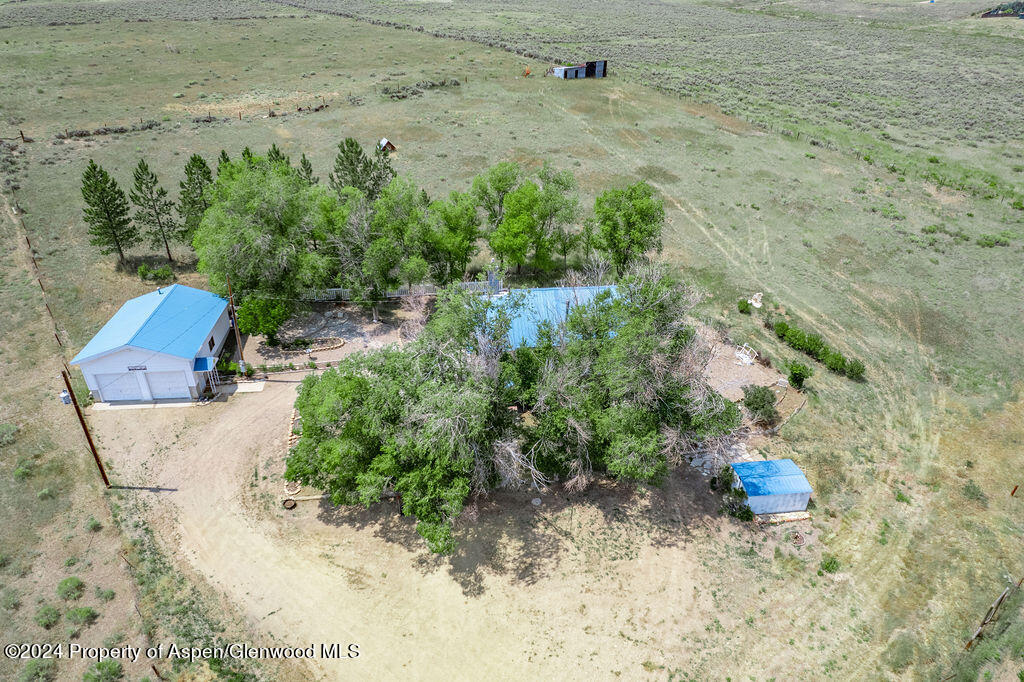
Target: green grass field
<point>884,263</point>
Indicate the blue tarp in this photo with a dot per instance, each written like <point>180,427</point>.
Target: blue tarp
<point>175,320</point>
<point>772,477</point>
<point>547,305</point>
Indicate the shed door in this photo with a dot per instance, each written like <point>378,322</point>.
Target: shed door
<point>115,387</point>
<point>168,385</point>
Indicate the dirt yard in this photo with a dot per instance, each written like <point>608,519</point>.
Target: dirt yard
<point>326,326</point>
<point>618,579</point>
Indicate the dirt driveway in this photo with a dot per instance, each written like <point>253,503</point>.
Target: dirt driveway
<point>615,578</point>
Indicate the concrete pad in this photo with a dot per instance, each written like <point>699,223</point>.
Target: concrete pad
<point>143,405</point>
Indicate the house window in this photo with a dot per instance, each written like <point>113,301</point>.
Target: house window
<point>212,344</point>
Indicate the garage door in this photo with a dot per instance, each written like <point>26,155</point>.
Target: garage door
<point>118,387</point>
<point>168,385</point>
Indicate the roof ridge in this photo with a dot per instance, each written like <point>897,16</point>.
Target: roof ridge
<point>152,312</point>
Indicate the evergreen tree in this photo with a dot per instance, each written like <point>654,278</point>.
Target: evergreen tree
<point>248,157</point>
<point>106,213</point>
<point>153,208</point>
<point>222,160</point>
<point>353,168</point>
<point>191,202</point>
<point>306,171</point>
<point>275,155</point>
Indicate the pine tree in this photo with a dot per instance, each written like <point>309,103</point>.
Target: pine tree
<point>306,171</point>
<point>191,202</point>
<point>248,157</point>
<point>106,212</point>
<point>153,208</point>
<point>353,168</point>
<point>221,160</point>
<point>275,155</point>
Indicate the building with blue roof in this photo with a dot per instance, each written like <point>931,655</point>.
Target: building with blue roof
<point>773,486</point>
<point>549,304</point>
<point>162,345</point>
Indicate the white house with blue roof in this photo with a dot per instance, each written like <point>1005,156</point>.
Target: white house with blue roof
<point>162,345</point>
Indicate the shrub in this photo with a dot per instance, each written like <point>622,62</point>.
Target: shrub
<point>829,564</point>
<point>9,600</point>
<point>93,526</point>
<point>45,494</point>
<point>1018,204</point>
<point>795,338</point>
<point>105,595</point>
<point>973,492</point>
<point>780,328</point>
<point>760,401</point>
<point>8,434</point>
<point>815,346</point>
<point>741,511</point>
<point>104,671</point>
<point>82,615</point>
<point>837,363</point>
<point>990,240</point>
<point>743,305</point>
<point>70,588</point>
<point>161,274</point>
<point>47,616</point>
<point>39,670</point>
<point>24,469</point>
<point>723,481</point>
<point>798,374</point>
<point>854,369</point>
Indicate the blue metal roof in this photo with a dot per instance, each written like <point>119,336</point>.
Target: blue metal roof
<point>175,320</point>
<point>771,477</point>
<point>547,305</point>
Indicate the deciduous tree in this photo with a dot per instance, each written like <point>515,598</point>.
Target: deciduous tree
<point>629,222</point>
<point>490,188</point>
<point>256,231</point>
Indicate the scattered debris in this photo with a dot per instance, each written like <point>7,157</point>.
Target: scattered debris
<point>108,130</point>
<point>755,300</point>
<point>745,355</point>
<point>535,502</point>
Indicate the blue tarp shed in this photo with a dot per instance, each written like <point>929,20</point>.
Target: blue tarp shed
<point>773,486</point>
<point>175,320</point>
<point>550,304</point>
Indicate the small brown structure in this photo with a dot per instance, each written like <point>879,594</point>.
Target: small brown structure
<point>386,145</point>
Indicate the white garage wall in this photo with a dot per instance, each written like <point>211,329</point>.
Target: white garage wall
<point>119,361</point>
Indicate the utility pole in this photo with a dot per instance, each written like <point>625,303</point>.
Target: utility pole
<point>238,335</point>
<point>85,427</point>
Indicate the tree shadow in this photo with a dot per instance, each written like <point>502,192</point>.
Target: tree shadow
<point>184,263</point>
<point>505,535</point>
